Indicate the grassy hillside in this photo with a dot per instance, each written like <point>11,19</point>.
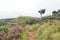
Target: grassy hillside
<point>30,28</point>
<point>45,31</point>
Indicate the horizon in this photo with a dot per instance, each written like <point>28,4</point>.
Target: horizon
<point>16,8</point>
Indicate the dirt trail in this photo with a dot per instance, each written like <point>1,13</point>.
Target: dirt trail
<point>31,36</point>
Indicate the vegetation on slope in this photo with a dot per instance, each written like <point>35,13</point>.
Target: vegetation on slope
<point>30,28</point>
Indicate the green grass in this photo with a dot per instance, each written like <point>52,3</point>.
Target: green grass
<point>43,31</point>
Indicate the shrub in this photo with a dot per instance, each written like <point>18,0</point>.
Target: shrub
<point>4,28</point>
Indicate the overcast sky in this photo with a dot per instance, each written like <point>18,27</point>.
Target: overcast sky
<point>16,8</point>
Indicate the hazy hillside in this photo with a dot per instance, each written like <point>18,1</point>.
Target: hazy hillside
<point>31,28</point>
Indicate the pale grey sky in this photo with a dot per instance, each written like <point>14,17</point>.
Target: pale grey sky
<point>16,8</point>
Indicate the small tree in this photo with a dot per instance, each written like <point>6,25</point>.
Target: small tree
<point>54,14</point>
<point>41,12</point>
<point>58,13</point>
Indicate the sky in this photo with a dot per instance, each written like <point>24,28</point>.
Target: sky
<point>16,8</point>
